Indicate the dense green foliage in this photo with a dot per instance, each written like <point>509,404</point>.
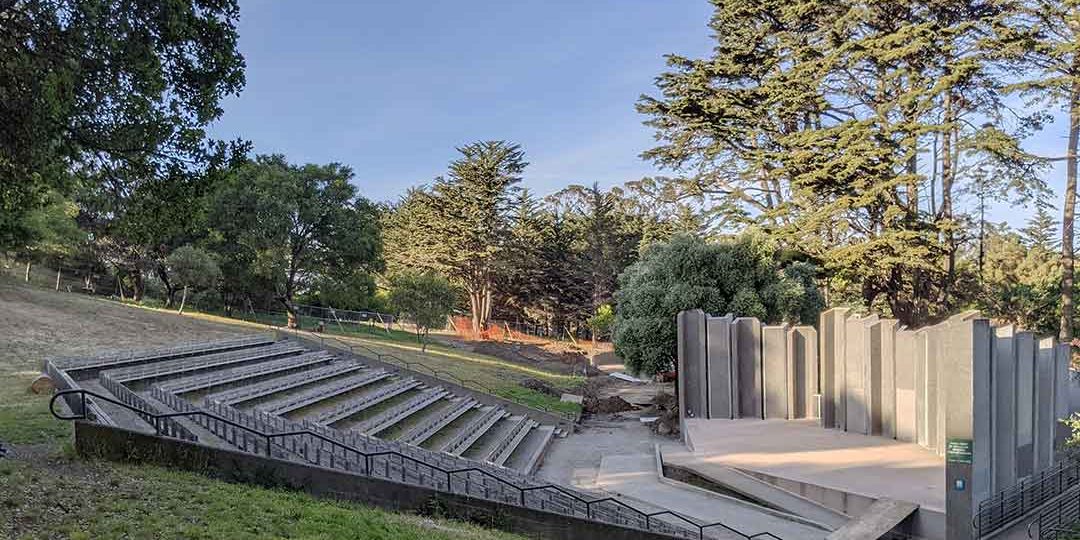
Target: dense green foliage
<point>424,299</point>
<point>107,94</point>
<point>735,275</point>
<point>291,225</point>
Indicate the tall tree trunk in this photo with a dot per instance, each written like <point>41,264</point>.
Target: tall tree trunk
<point>137,285</point>
<point>170,290</point>
<point>183,300</point>
<point>1068,261</point>
<point>292,317</point>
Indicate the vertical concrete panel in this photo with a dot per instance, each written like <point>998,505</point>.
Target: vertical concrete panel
<point>922,391</point>
<point>774,361</point>
<point>967,377</point>
<point>746,342</point>
<point>1024,345</point>
<point>831,354</point>
<point>805,347</point>
<point>691,374</point>
<point>1061,394</point>
<point>857,374</point>
<point>935,343</point>
<point>888,378</point>
<point>905,385</point>
<point>1044,403</point>
<point>720,370</point>
<point>1003,424</point>
<point>875,369</point>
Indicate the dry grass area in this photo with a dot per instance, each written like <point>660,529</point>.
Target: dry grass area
<point>45,492</point>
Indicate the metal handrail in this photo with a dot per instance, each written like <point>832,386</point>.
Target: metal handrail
<point>268,437</point>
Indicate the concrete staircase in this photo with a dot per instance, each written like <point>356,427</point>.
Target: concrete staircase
<point>287,380</point>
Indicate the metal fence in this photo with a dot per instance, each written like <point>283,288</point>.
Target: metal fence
<point>1060,519</point>
<point>1025,496</point>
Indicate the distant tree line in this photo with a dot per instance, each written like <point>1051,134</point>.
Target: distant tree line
<point>824,153</point>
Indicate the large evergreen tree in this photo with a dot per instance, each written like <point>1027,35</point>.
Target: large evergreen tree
<point>460,227</point>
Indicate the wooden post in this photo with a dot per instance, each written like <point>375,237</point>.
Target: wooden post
<point>58,277</point>
<point>182,300</point>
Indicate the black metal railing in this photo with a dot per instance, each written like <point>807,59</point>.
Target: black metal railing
<point>1024,497</point>
<point>1060,518</point>
<point>368,457</point>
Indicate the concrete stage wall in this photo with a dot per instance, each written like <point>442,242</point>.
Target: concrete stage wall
<point>988,399</point>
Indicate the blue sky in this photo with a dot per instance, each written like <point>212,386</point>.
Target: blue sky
<point>390,88</point>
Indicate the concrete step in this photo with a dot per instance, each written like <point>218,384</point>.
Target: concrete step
<point>506,447</point>
<point>367,401</point>
<point>223,377</point>
<point>74,366</point>
<point>483,448</point>
<point>472,432</point>
<point>173,368</point>
<point>323,392</point>
<point>424,431</point>
<point>530,453</point>
<point>283,383</point>
<point>396,414</point>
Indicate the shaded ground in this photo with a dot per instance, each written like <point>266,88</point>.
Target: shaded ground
<point>46,493</point>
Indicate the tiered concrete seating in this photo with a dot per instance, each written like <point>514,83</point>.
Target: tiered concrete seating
<point>129,358</point>
<point>203,381</point>
<point>172,368</point>
<point>476,429</point>
<point>396,414</point>
<point>366,401</point>
<point>285,383</point>
<point>324,392</point>
<point>424,431</point>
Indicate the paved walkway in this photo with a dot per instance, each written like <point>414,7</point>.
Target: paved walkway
<point>634,475</point>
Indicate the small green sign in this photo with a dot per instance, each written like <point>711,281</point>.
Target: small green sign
<point>958,451</point>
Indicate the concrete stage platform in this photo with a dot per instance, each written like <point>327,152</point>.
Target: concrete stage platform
<point>800,456</point>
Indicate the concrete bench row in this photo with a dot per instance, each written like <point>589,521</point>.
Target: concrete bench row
<point>324,392</point>
<point>476,429</point>
<point>128,358</point>
<point>203,381</point>
<point>400,412</point>
<point>420,433</point>
<point>284,383</point>
<point>366,401</point>
<point>180,366</point>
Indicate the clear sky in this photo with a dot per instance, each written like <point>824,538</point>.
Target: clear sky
<point>391,87</point>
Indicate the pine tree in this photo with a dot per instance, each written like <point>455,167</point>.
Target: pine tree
<point>1041,231</point>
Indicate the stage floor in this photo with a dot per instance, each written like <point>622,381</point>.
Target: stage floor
<point>799,450</point>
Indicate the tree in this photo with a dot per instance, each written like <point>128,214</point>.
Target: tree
<point>102,93</point>
<point>50,231</point>
<point>738,275</point>
<point>1041,38</point>
<point>425,298</point>
<point>1041,231</point>
<point>1020,283</point>
<point>460,226</point>
<point>809,120</point>
<point>192,268</point>
<point>602,322</point>
<point>295,224</point>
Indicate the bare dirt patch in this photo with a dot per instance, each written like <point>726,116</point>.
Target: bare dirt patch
<point>553,356</point>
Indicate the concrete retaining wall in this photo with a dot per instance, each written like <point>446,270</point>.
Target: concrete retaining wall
<point>95,440</point>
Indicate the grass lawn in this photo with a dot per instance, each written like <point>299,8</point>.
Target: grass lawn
<point>79,500</point>
<point>45,493</point>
